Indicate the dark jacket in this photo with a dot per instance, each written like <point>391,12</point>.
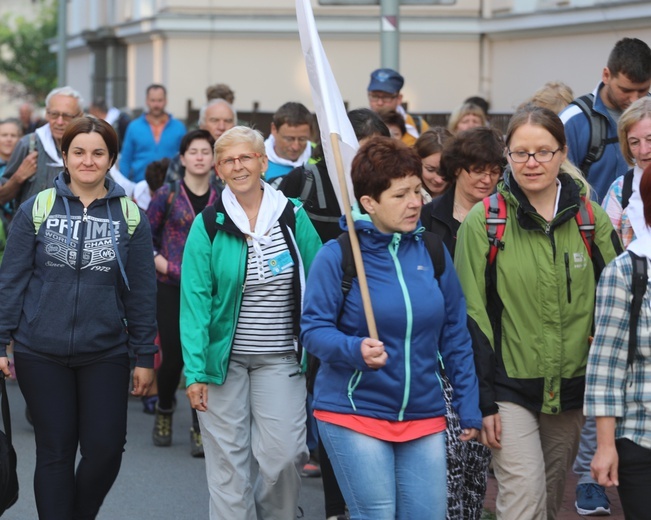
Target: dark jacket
<point>59,306</point>
<point>436,217</point>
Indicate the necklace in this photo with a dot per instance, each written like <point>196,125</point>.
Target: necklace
<point>256,214</point>
<point>459,212</point>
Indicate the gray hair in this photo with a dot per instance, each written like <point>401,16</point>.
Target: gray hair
<point>239,135</point>
<point>216,101</point>
<point>65,91</point>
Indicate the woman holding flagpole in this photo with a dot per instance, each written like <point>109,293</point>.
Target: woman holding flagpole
<point>379,402</point>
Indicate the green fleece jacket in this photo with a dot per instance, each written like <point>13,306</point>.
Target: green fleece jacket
<point>531,313</point>
<point>212,278</point>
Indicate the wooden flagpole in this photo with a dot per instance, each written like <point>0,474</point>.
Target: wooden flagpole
<point>354,241</point>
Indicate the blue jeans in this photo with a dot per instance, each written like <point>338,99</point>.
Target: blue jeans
<point>383,480</point>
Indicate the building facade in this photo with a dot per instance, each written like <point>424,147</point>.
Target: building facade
<point>500,49</point>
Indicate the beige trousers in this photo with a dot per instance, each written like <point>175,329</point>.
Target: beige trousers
<point>531,468</point>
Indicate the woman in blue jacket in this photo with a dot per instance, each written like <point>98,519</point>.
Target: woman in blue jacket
<point>379,402</point>
<point>78,271</point>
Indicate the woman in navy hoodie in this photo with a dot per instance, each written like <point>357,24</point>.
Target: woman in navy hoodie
<point>77,274</point>
<point>379,402</point>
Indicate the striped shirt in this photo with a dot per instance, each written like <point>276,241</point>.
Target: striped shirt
<point>265,323</point>
<point>612,388</point>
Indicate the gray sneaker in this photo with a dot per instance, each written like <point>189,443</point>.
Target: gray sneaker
<point>162,434</point>
<point>196,444</point>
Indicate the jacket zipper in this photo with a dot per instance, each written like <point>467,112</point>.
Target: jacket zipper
<point>568,277</point>
<point>353,383</point>
<point>393,250</point>
<point>80,249</point>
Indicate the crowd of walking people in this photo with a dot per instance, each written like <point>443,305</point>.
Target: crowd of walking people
<point>475,312</point>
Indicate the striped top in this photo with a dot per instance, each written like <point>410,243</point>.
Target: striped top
<point>612,203</point>
<point>265,322</point>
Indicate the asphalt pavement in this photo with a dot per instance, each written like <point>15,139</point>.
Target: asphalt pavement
<point>154,483</point>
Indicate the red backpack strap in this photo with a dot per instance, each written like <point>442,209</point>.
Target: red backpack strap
<point>585,220</point>
<point>495,211</point>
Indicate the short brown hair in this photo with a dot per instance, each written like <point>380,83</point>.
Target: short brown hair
<point>479,147</point>
<point>88,125</point>
<point>378,162</point>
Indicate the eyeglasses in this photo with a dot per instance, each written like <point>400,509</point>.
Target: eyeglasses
<point>290,140</point>
<point>478,174</point>
<point>56,115</point>
<point>384,98</point>
<point>542,156</point>
<point>245,160</point>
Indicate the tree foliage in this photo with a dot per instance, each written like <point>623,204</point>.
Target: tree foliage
<point>25,58</point>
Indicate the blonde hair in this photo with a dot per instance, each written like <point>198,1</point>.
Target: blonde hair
<point>554,95</point>
<point>635,113</point>
<point>464,110</point>
<point>239,135</point>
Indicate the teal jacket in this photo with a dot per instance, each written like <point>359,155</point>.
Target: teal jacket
<point>531,332</point>
<point>212,278</point>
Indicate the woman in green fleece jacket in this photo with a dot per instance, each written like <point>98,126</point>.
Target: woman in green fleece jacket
<point>242,278</point>
<point>531,312</point>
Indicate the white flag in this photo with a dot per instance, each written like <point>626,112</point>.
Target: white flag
<point>328,105</point>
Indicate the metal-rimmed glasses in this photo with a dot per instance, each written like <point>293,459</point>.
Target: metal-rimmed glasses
<point>245,160</point>
<point>478,174</point>
<point>56,115</point>
<point>541,156</point>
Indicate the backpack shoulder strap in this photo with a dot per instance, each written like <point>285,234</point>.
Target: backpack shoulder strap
<point>347,262</point>
<point>42,207</point>
<point>598,132</point>
<point>308,181</point>
<point>585,220</point>
<point>495,211</point>
<point>209,215</point>
<point>638,283</point>
<point>131,213</point>
<point>435,248</point>
<point>627,188</point>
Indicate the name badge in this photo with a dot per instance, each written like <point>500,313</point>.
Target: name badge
<point>280,262</point>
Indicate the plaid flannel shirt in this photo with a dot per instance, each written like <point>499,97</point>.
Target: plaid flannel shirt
<point>612,388</point>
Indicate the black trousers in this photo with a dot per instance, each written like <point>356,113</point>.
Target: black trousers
<point>75,406</point>
<point>634,479</point>
<point>168,311</point>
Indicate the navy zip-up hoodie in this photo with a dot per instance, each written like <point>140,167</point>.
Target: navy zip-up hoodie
<point>417,318</point>
<point>81,287</point>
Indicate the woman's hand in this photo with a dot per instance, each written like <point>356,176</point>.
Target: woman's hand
<point>142,380</point>
<point>4,366</point>
<point>373,353</point>
<point>468,434</point>
<point>491,432</point>
<point>198,395</point>
<point>161,264</point>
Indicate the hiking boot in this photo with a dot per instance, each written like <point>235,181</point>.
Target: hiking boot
<point>196,444</point>
<point>162,434</point>
<point>591,500</point>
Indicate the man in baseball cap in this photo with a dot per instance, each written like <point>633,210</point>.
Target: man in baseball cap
<point>384,95</point>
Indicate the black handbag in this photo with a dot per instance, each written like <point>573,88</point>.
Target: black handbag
<point>8,475</point>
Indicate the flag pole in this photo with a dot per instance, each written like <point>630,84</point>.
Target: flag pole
<point>354,241</point>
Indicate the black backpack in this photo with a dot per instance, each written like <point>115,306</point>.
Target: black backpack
<point>639,282</point>
<point>8,475</point>
<point>435,248</point>
<point>598,132</point>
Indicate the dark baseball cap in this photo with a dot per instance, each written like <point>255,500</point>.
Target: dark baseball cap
<point>386,80</point>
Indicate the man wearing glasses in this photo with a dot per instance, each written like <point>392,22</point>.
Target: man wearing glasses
<point>384,95</point>
<point>288,145</point>
<point>36,160</point>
